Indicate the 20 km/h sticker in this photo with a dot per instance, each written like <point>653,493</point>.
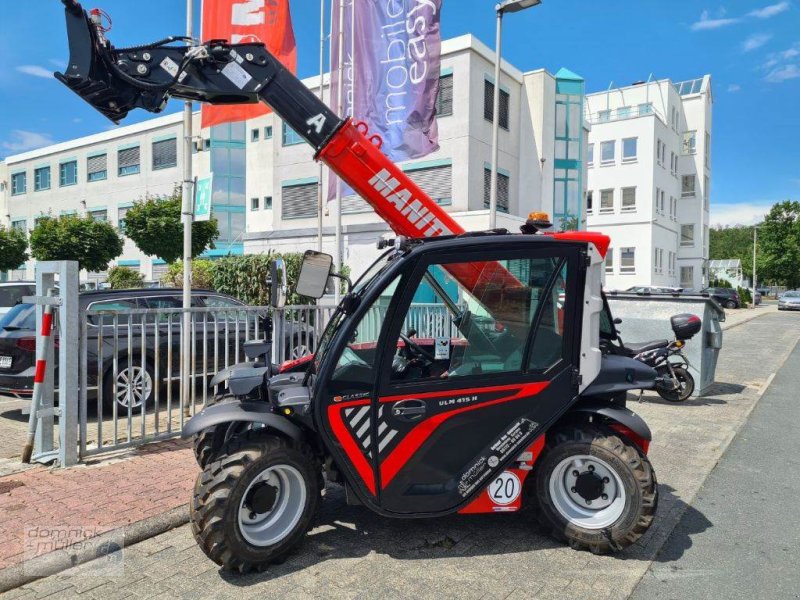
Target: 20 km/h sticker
<point>505,488</point>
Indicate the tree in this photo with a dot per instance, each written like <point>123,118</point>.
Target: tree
<point>125,278</point>
<point>92,243</point>
<point>154,225</point>
<point>13,248</point>
<point>779,245</point>
<point>726,243</point>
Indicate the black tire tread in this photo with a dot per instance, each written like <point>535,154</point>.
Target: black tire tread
<point>613,539</point>
<point>213,488</point>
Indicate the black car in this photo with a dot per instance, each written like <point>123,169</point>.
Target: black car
<point>727,297</point>
<point>224,332</point>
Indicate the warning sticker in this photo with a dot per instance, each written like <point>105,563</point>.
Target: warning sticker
<point>237,75</point>
<point>442,346</point>
<point>170,66</point>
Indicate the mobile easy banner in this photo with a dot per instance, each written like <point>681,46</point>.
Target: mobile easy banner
<point>391,51</point>
<point>243,21</point>
<point>397,55</point>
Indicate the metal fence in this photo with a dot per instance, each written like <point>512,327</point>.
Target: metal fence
<point>131,360</point>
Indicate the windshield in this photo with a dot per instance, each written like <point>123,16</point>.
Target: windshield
<point>792,295</point>
<point>12,294</point>
<point>338,317</point>
<point>22,316</point>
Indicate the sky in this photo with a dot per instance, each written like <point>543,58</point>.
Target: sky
<point>750,47</point>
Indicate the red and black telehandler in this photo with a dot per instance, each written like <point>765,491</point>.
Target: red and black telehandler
<point>510,404</point>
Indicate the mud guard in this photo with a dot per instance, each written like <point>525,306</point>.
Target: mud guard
<point>249,412</point>
<point>619,415</point>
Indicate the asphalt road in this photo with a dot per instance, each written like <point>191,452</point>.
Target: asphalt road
<point>746,511</point>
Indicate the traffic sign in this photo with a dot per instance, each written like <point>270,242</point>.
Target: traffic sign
<point>202,198</point>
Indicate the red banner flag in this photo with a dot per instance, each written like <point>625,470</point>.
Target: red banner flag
<point>245,21</point>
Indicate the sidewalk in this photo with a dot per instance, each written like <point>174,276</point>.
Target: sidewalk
<point>103,495</point>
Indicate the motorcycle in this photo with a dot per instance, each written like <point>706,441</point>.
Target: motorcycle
<point>676,383</point>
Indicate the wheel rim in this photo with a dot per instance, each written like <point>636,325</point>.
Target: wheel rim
<point>280,492</point>
<point>299,351</point>
<point>136,382</point>
<point>580,477</point>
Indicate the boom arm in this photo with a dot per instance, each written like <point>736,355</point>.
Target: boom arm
<point>117,80</point>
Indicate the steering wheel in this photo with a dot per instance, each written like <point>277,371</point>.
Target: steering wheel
<point>416,348</point>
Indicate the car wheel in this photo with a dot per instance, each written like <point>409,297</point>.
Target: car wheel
<point>298,345</point>
<point>731,304</point>
<point>132,387</point>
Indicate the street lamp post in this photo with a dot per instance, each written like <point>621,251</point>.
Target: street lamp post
<point>507,6</point>
<point>755,244</point>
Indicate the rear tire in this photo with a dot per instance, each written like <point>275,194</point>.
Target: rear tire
<point>255,502</point>
<point>684,392</point>
<point>731,304</point>
<point>620,475</point>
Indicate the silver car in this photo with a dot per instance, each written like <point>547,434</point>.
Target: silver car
<point>789,301</point>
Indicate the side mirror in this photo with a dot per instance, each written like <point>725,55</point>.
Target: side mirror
<point>314,274</point>
<point>278,282</point>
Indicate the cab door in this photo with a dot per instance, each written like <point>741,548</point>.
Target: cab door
<point>454,407</point>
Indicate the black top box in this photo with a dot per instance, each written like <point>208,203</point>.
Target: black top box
<point>685,325</point>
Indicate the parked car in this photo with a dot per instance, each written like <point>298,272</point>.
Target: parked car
<point>727,297</point>
<point>789,301</point>
<point>11,294</point>
<point>653,289</point>
<point>18,342</point>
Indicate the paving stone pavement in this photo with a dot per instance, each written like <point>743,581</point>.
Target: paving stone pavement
<point>352,553</point>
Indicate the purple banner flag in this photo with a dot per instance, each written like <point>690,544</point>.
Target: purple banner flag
<point>391,52</point>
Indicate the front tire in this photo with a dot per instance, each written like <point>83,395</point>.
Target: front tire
<point>685,390</point>
<point>731,304</point>
<point>255,502</point>
<point>593,490</point>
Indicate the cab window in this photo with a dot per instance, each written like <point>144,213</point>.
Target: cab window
<point>452,330</point>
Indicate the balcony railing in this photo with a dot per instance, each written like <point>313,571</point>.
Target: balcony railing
<point>621,113</point>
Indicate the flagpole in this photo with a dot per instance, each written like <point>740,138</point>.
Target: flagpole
<point>187,217</point>
<point>337,256</point>
<point>321,91</point>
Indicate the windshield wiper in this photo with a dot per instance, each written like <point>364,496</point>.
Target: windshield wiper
<point>11,327</point>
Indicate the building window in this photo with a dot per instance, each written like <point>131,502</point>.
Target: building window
<point>706,191</point>
<point>627,260</point>
<point>437,183</point>
<point>41,179</point>
<point>96,168</point>
<point>607,152</point>
<point>488,104</point>
<point>663,203</point>
<point>589,201</point>
<point>688,183</point>
<point>20,225</point>
<point>708,150</point>
<point>128,161</point>
<point>267,202</point>
<point>68,173</point>
<point>99,215</point>
<point>299,201</point>
<point>290,136</point>
<point>165,154</point>
<point>658,196</point>
<point>268,132</point>
<point>629,199</point>
<point>629,149</point>
<point>687,277</point>
<point>121,213</point>
<point>673,208</point>
<point>503,185</point>
<point>689,145</point>
<point>444,101</point>
<point>606,201</point>
<point>687,235</point>
<point>19,183</point>
<point>590,155</point>
<point>254,203</point>
<point>610,261</point>
<point>255,134</point>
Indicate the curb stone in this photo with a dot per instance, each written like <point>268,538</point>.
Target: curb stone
<point>60,560</point>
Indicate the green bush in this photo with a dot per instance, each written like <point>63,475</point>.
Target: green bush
<point>92,243</point>
<point>745,295</point>
<point>125,278</point>
<point>13,248</point>
<point>202,275</point>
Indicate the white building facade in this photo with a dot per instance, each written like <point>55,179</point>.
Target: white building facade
<point>266,183</point>
<point>649,181</point>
